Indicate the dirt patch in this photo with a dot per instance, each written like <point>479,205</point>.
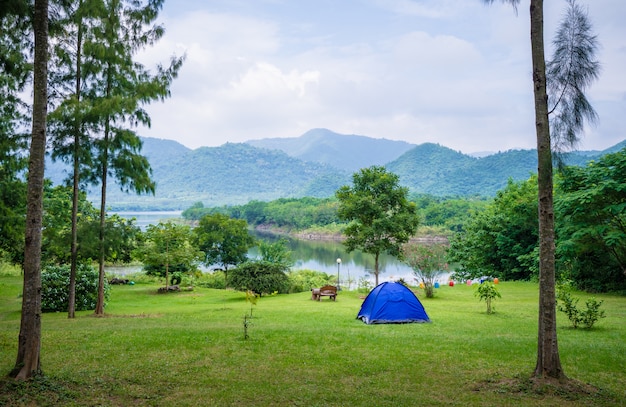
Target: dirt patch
<point>542,388</point>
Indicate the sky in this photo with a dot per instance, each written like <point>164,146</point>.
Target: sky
<point>452,72</point>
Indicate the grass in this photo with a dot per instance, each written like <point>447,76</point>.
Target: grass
<point>188,349</point>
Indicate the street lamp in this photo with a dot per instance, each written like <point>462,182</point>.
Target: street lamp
<point>338,266</point>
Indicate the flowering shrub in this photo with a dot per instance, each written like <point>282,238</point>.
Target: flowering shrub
<point>55,283</point>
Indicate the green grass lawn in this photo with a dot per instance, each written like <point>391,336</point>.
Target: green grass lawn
<point>188,349</point>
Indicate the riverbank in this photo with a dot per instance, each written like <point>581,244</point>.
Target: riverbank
<point>337,236</point>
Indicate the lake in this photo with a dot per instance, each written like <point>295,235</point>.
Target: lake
<point>314,255</point>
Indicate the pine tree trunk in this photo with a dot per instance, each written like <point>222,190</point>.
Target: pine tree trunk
<point>548,360</point>
<point>29,342</point>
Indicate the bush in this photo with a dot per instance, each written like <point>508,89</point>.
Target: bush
<point>55,282</point>
<point>304,280</point>
<point>261,277</point>
<point>215,279</point>
<point>587,318</point>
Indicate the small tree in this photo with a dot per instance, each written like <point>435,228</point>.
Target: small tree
<point>428,263</point>
<point>381,217</point>
<point>487,292</point>
<point>169,244</point>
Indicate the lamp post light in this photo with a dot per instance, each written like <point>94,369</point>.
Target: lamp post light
<point>338,266</point>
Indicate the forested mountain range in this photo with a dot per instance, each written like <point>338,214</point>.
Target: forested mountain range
<point>316,164</point>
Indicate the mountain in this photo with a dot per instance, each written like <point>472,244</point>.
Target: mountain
<point>236,173</point>
<point>346,152</point>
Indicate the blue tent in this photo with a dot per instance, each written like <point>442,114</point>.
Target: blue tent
<point>392,303</point>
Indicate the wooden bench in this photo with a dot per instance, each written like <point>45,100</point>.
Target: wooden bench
<point>326,291</point>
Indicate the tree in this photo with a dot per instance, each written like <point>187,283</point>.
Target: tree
<point>574,49</point>
<point>169,244</point>
<point>223,240</point>
<point>27,363</point>
<point>427,261</point>
<point>14,75</point>
<point>592,223</point>
<point>276,252</point>
<point>381,217</point>
<point>501,240</point>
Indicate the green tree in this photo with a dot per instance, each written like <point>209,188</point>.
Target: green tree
<point>428,263</point>
<point>487,291</point>
<point>575,50</point>
<point>592,223</point>
<point>381,217</point>
<point>224,241</point>
<point>27,363</point>
<point>261,277</point>
<point>501,240</point>
<point>14,75</point>
<point>169,244</point>
<point>120,93</point>
<point>276,252</point>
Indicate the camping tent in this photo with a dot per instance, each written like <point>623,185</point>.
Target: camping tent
<point>392,303</point>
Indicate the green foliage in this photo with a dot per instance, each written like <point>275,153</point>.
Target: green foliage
<point>380,215</point>
<point>216,279</point>
<point>488,292</point>
<point>224,241</point>
<point>500,240</point>
<point>276,252</point>
<point>591,210</point>
<point>55,281</point>
<point>304,280</point>
<point>428,263</point>
<point>168,248</point>
<point>260,277</point>
<point>568,305</point>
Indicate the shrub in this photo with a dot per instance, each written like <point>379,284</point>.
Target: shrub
<point>215,279</point>
<point>567,304</point>
<point>55,282</point>
<point>304,280</point>
<point>261,277</point>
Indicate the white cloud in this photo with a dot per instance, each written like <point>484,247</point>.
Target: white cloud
<point>447,71</point>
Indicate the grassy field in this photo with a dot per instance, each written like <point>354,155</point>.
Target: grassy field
<point>188,349</point>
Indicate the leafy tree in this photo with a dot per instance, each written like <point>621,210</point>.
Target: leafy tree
<point>592,223</point>
<point>14,74</point>
<point>381,217</point>
<point>428,263</point>
<point>121,91</point>
<point>27,363</point>
<point>575,48</point>
<point>500,240</point>
<point>168,244</point>
<point>276,252</point>
<point>223,240</point>
<point>261,277</point>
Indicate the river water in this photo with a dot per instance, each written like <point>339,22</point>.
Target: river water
<point>311,255</point>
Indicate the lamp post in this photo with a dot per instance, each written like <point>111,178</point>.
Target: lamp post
<point>338,266</point>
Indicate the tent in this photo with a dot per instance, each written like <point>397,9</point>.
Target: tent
<point>392,303</point>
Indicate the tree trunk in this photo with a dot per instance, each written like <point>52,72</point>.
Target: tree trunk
<point>29,342</point>
<point>100,301</point>
<point>71,307</point>
<point>548,361</point>
<point>376,268</point>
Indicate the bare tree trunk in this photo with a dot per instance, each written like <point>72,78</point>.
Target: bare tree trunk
<point>103,197</point>
<point>376,268</point>
<point>548,360</point>
<point>71,307</point>
<point>29,342</point>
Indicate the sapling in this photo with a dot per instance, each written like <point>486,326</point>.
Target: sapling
<point>487,291</point>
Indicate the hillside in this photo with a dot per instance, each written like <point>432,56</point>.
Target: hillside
<point>346,152</point>
<point>238,173</point>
